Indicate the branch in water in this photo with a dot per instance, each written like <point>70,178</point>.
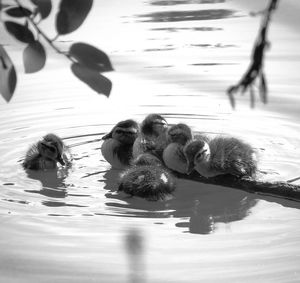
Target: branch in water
<point>277,189</point>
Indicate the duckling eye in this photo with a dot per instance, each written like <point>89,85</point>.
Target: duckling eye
<point>199,155</point>
<point>52,149</point>
<point>119,131</point>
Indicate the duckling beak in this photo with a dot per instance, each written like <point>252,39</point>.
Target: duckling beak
<point>60,160</point>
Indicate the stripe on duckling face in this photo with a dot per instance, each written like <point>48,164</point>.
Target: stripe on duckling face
<point>125,135</point>
<point>126,131</point>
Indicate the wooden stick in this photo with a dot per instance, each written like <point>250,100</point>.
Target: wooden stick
<point>277,189</point>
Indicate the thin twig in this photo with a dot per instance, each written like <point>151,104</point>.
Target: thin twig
<point>46,38</point>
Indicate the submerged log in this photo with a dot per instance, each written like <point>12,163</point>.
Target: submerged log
<point>277,189</point>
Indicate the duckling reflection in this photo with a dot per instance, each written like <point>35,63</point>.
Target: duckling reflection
<point>147,178</point>
<point>117,146</point>
<point>53,182</point>
<point>215,206</point>
<point>152,137</point>
<point>46,153</point>
<point>173,156</point>
<point>221,155</point>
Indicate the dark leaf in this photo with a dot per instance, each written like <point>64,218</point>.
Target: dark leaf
<point>34,57</point>
<point>92,78</point>
<point>91,57</point>
<point>44,7</point>
<point>8,76</point>
<point>20,32</point>
<point>263,91</point>
<point>72,14</point>
<point>18,12</point>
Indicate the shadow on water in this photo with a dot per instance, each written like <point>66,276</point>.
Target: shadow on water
<point>173,29</point>
<point>200,207</point>
<point>179,16</point>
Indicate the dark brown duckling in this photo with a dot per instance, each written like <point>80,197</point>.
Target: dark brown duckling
<point>46,153</point>
<point>147,179</point>
<point>117,145</point>
<point>152,137</point>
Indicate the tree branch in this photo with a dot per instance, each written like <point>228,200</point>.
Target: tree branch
<point>256,66</point>
<point>277,189</point>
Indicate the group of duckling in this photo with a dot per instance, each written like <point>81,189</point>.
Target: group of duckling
<point>149,153</point>
<point>152,151</point>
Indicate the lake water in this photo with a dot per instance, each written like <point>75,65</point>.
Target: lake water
<point>171,58</point>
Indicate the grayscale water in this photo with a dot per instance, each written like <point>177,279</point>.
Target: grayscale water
<point>72,225</point>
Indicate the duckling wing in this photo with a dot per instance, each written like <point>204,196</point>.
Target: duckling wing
<point>123,153</point>
<point>174,158</point>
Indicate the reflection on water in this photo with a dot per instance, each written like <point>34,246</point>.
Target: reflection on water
<point>184,2</point>
<point>173,29</point>
<point>179,16</point>
<point>134,244</point>
<point>205,206</point>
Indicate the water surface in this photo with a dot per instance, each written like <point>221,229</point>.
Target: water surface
<point>176,59</point>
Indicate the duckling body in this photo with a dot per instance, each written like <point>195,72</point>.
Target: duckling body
<point>221,155</point>
<point>46,153</point>
<point>117,144</point>
<point>147,178</point>
<point>173,157</point>
<point>152,137</point>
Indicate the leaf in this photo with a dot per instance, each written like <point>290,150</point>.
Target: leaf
<point>72,14</point>
<point>91,57</point>
<point>8,76</point>
<point>44,7</point>
<point>18,12</point>
<point>20,32</point>
<point>34,57</point>
<point>92,78</point>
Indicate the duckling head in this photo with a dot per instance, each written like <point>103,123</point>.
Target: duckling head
<point>197,153</point>
<point>154,125</point>
<point>180,133</point>
<point>125,132</point>
<point>51,150</point>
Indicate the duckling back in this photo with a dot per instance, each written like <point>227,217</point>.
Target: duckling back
<point>35,161</point>
<point>147,181</point>
<point>233,156</point>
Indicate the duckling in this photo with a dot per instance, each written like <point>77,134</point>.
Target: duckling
<point>221,155</point>
<point>152,137</point>
<point>177,136</point>
<point>147,178</point>
<point>117,145</point>
<point>46,153</point>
